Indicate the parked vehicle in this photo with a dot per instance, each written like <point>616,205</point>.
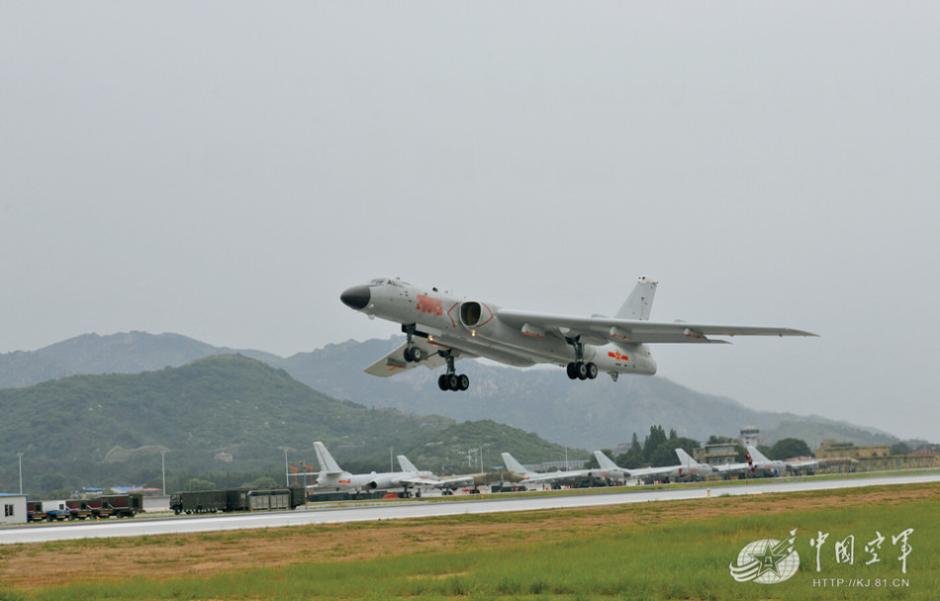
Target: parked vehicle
<point>100,509</point>
<point>56,511</point>
<point>126,505</point>
<point>34,512</point>
<point>211,501</point>
<point>79,509</point>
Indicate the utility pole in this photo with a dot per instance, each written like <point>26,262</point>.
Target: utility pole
<point>286,468</point>
<point>19,456</point>
<point>163,469</point>
<point>566,459</point>
<point>391,463</point>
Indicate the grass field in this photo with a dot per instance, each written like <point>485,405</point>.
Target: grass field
<point>665,550</point>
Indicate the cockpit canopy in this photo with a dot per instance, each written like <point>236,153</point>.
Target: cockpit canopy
<point>388,282</point>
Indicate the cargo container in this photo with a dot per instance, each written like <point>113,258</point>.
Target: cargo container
<point>126,505</point>
<point>100,509</point>
<point>211,501</point>
<point>79,509</point>
<point>34,512</point>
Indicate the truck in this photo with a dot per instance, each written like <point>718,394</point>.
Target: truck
<point>79,509</point>
<point>100,509</point>
<point>56,511</point>
<point>34,512</point>
<point>126,505</point>
<point>237,499</point>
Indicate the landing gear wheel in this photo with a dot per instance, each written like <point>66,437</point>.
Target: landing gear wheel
<point>572,370</point>
<point>582,371</point>
<point>442,382</point>
<point>591,371</point>
<point>409,357</point>
<point>463,381</point>
<point>453,382</point>
<point>417,354</point>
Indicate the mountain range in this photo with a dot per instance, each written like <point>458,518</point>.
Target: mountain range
<point>595,414</point>
<point>223,414</point>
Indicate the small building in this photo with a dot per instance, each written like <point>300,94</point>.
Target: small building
<point>717,453</point>
<point>750,435</point>
<point>12,509</point>
<point>832,449</point>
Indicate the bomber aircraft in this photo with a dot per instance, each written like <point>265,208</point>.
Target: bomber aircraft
<point>333,477</point>
<point>447,484</point>
<point>558,476</point>
<point>440,327</point>
<point>687,469</point>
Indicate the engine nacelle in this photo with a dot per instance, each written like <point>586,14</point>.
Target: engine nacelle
<point>474,314</point>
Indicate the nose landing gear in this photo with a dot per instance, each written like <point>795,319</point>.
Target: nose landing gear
<point>412,353</point>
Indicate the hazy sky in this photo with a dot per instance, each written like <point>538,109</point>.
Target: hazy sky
<point>225,169</point>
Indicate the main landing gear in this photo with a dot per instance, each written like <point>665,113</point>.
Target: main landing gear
<point>578,369</point>
<point>452,380</point>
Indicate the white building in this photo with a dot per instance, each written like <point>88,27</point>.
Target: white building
<point>12,509</point>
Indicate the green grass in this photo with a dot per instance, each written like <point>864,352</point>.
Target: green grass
<point>654,561</point>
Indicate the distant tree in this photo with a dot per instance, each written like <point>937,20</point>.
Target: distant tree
<point>663,456</point>
<point>635,444</point>
<point>900,448</point>
<point>633,458</point>
<point>789,447</point>
<point>657,436</point>
<point>672,434</point>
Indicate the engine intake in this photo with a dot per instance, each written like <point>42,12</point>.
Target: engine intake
<point>470,313</point>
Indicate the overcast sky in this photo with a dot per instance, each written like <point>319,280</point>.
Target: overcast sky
<point>225,169</point>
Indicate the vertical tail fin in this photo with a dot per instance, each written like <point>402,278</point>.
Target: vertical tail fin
<point>328,465</point>
<point>604,461</point>
<point>406,466</point>
<point>514,466</point>
<point>640,302</point>
<point>756,455</point>
<point>686,460</point>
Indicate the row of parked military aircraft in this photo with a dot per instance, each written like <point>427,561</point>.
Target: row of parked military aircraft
<point>332,477</point>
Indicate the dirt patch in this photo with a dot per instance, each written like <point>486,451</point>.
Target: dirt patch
<point>98,560</point>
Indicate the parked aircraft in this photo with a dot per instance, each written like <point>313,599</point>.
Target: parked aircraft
<point>440,327</point>
<point>688,469</point>
<point>446,484</point>
<point>756,464</point>
<point>556,477</point>
<point>333,477</point>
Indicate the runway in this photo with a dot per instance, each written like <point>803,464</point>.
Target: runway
<point>423,509</point>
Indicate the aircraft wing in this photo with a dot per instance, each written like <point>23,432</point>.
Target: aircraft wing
<point>650,472</point>
<point>394,362</point>
<point>455,481</point>
<point>419,481</point>
<point>726,468</point>
<point>556,476</point>
<point>635,330</point>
